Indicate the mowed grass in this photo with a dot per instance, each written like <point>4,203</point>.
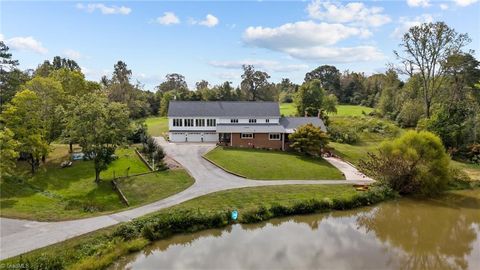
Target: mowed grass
<point>253,197</point>
<point>272,165</point>
<point>152,187</point>
<point>54,193</point>
<point>289,109</point>
<point>157,126</point>
<point>352,110</point>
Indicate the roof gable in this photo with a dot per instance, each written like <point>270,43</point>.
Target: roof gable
<point>223,109</point>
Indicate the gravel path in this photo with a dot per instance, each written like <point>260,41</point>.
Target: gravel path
<point>20,236</point>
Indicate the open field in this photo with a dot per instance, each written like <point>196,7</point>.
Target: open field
<point>54,193</point>
<point>289,109</point>
<point>157,125</point>
<point>272,165</point>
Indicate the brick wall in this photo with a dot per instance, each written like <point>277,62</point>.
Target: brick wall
<point>260,140</point>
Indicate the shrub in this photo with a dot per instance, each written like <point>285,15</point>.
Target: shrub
<point>309,139</point>
<point>126,231</point>
<point>42,262</point>
<point>414,163</point>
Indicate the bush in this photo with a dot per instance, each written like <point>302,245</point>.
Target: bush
<point>415,163</point>
<point>126,231</point>
<point>42,262</point>
<point>343,135</point>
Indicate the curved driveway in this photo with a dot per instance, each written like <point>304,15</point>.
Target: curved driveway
<point>20,236</point>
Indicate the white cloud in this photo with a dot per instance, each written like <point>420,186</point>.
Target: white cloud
<point>168,18</point>
<point>337,55</point>
<point>418,3</point>
<point>104,9</point>
<point>229,76</point>
<point>406,23</point>
<point>267,65</point>
<point>312,41</point>
<point>2,37</point>
<point>464,3</point>
<point>355,13</point>
<point>72,54</point>
<point>210,21</point>
<point>25,44</point>
<point>443,6</point>
<point>301,34</point>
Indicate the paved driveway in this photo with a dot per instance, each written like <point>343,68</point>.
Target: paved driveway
<point>20,236</point>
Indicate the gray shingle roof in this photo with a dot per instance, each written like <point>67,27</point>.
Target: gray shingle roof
<point>223,109</point>
<point>291,123</point>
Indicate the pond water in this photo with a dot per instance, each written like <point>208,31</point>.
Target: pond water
<point>442,233</point>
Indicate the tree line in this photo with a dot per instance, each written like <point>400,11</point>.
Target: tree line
<point>434,86</point>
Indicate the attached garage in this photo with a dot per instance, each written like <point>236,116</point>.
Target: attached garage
<point>210,137</point>
<point>194,136</point>
<point>177,136</point>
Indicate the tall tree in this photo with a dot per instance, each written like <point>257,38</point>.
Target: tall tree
<point>425,48</point>
<point>58,62</point>
<point>255,85</point>
<point>172,82</point>
<point>51,98</point>
<point>8,151</point>
<point>309,98</point>
<point>99,127</point>
<point>329,77</point>
<point>22,118</point>
<point>462,71</point>
<point>203,84</point>
<point>10,76</point>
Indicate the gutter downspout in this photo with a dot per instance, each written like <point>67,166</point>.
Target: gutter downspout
<point>283,141</point>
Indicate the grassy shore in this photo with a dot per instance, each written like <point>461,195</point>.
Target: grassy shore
<point>99,249</point>
<point>272,165</point>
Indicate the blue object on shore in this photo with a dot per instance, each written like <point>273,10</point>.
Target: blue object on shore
<point>78,156</point>
<point>234,215</point>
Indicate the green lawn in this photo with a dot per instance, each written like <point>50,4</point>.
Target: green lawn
<point>289,109</point>
<point>157,125</point>
<point>152,187</point>
<point>352,110</point>
<point>272,165</point>
<point>354,153</point>
<point>58,194</point>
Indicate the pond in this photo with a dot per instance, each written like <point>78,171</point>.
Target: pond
<point>441,233</point>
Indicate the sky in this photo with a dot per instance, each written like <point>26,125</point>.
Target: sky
<point>212,39</point>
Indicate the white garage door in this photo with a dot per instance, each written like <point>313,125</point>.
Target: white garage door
<point>177,136</point>
<point>210,137</point>
<point>194,137</point>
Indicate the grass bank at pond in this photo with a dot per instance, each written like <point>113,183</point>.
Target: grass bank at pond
<point>54,193</point>
<point>272,165</point>
<point>99,249</point>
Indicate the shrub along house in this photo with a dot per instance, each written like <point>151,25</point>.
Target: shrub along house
<point>237,124</point>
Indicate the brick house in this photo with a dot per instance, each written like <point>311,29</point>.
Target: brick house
<point>233,123</point>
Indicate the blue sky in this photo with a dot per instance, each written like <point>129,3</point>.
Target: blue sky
<point>211,40</point>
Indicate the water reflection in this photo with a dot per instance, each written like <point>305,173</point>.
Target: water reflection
<point>406,234</point>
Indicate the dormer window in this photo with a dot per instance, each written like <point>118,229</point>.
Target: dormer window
<point>267,120</point>
<point>233,120</point>
<point>252,121</point>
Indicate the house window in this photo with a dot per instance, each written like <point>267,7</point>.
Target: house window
<point>274,136</point>
<point>252,121</point>
<point>233,120</point>
<point>246,135</point>
<point>267,120</point>
<point>177,122</point>
<point>199,122</point>
<point>188,122</point>
<point>211,122</point>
